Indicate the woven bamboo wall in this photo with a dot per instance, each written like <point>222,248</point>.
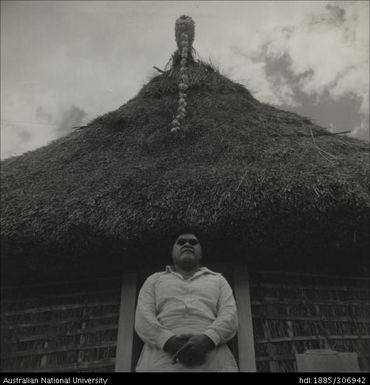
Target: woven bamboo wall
<point>60,327</point>
<point>295,312</point>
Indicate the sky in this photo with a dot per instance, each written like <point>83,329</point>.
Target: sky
<point>63,63</point>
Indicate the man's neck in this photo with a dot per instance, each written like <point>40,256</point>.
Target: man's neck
<point>186,273</point>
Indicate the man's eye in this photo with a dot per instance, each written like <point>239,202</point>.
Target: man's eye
<point>192,242</point>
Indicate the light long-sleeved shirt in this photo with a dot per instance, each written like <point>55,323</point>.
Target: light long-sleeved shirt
<point>170,305</point>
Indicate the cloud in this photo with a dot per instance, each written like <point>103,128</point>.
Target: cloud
<point>361,131</point>
<point>324,51</point>
<point>69,119</point>
<point>39,128</point>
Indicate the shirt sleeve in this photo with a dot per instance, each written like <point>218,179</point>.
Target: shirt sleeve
<point>147,325</point>
<point>225,326</point>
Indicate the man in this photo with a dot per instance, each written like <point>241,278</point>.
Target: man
<point>186,314</point>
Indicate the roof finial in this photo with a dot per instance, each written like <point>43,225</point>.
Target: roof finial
<point>184,25</point>
<point>184,32</point>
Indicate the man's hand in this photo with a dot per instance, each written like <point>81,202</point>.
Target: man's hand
<point>175,343</point>
<point>194,351</point>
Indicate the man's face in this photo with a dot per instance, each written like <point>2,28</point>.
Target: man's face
<point>187,251</point>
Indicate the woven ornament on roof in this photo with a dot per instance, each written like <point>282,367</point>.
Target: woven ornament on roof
<point>184,33</point>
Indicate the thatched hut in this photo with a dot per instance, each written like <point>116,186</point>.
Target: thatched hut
<point>282,201</point>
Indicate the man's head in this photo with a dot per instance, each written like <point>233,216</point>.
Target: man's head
<point>187,250</point>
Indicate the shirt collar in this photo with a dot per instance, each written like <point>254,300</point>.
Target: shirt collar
<point>202,270</point>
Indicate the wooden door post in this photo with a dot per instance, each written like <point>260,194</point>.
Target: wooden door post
<point>126,323</point>
<point>247,356</point>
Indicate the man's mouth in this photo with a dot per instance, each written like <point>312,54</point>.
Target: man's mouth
<point>187,249</point>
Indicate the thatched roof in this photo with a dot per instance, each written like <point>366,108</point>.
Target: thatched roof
<point>275,185</point>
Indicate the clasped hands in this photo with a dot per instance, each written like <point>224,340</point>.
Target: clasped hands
<point>189,349</point>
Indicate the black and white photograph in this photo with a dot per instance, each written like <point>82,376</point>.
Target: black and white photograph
<point>184,188</point>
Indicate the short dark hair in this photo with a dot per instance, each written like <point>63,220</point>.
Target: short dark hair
<point>187,230</point>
